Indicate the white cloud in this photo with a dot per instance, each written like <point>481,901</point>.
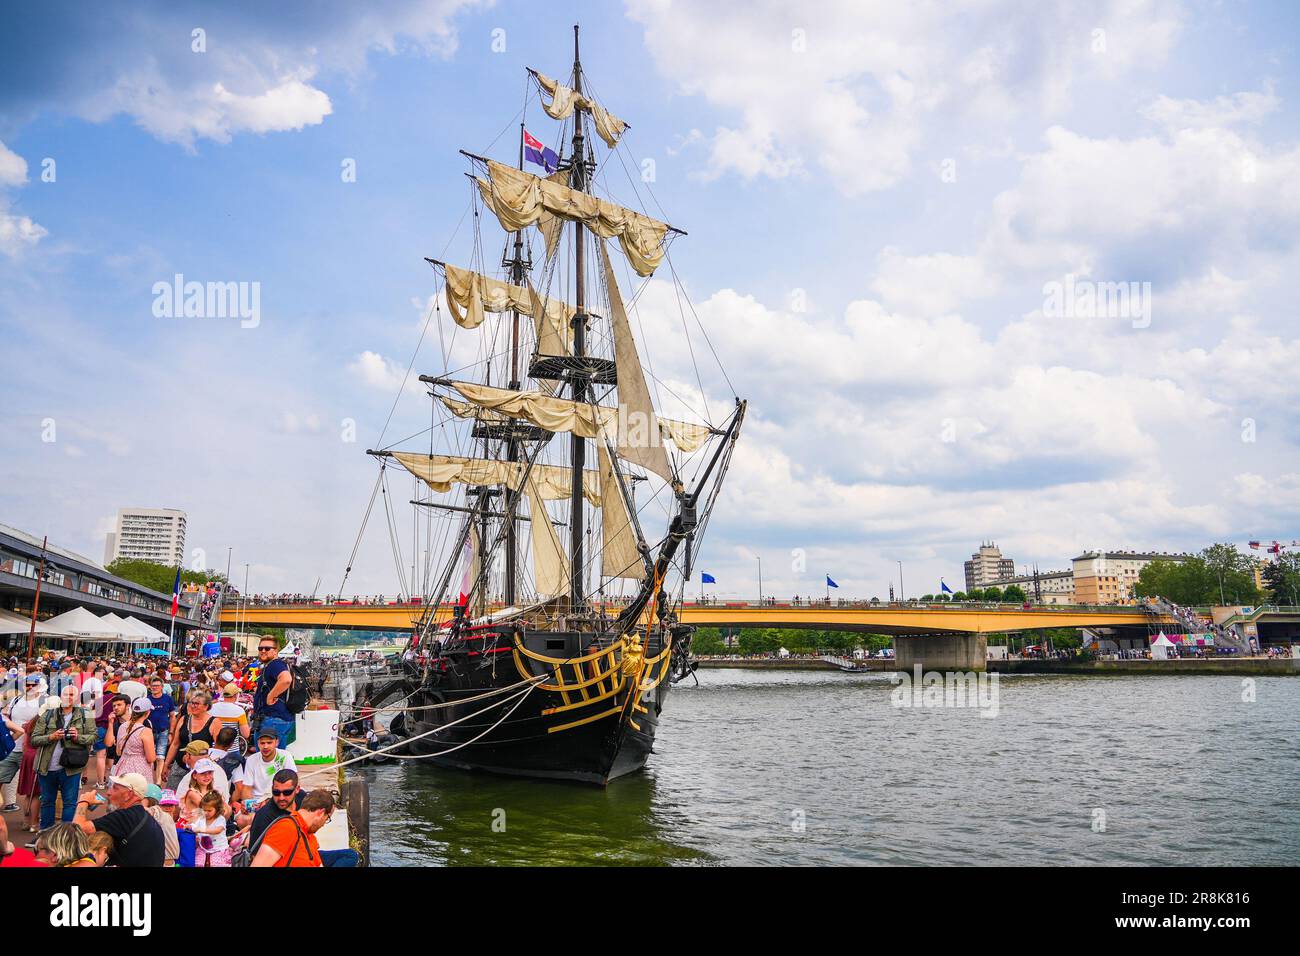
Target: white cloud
<point>849,89</point>
<point>375,371</point>
<point>1246,107</point>
<point>930,284</point>
<point>13,168</point>
<point>16,232</point>
<point>1085,202</point>
<point>251,75</point>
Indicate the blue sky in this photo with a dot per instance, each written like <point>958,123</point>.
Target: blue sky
<point>915,174</point>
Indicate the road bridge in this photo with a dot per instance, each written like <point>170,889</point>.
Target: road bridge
<point>938,635</point>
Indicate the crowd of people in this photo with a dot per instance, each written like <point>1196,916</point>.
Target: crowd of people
<point>166,762</point>
<point>211,591</point>
<point>329,599</point>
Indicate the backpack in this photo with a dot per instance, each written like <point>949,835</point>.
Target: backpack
<point>296,698</point>
<point>6,741</point>
<point>244,856</point>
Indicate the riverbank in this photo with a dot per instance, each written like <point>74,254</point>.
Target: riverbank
<point>1230,666</point>
<point>1225,666</point>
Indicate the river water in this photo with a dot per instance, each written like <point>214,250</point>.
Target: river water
<point>820,767</point>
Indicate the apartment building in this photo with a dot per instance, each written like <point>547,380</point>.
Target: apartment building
<point>149,534</point>
<point>1107,577</point>
<point>987,566</point>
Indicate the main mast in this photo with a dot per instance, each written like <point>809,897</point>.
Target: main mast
<point>578,181</point>
<point>518,272</point>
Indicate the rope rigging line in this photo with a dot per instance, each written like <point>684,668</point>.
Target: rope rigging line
<point>532,685</point>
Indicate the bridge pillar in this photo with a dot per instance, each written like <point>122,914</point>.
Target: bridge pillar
<point>941,652</point>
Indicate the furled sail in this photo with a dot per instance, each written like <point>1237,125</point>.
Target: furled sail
<point>470,294</point>
<point>550,565</point>
<point>565,99</point>
<point>552,482</point>
<point>519,199</point>
<point>619,556</point>
<point>581,418</point>
<point>633,394</point>
<point>550,226</point>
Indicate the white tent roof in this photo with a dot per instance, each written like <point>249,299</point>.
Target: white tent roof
<point>124,630</point>
<point>11,623</point>
<point>145,629</point>
<point>1162,641</point>
<point>80,623</point>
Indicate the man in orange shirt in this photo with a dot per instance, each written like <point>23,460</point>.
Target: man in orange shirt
<point>291,840</point>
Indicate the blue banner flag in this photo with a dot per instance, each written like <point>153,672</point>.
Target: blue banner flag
<point>706,578</point>
<point>943,588</point>
<point>830,583</point>
<point>543,156</point>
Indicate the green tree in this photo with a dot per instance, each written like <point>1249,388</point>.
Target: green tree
<point>926,598</point>
<point>158,577</point>
<point>975,594</point>
<point>755,640</point>
<point>1015,594</point>
<point>708,640</point>
<point>961,596</point>
<point>1234,573</point>
<point>1282,579</point>
<point>1217,575</point>
<point>993,594</point>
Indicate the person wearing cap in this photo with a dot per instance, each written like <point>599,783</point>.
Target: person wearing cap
<point>17,714</point>
<point>153,798</point>
<point>63,731</point>
<point>197,753</point>
<point>137,837</point>
<point>162,717</point>
<point>230,711</point>
<point>199,782</point>
<point>132,742</point>
<point>253,781</point>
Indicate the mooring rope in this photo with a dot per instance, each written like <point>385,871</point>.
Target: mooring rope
<point>532,685</point>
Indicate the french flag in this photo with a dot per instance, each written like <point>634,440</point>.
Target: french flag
<point>543,156</point>
<point>176,592</point>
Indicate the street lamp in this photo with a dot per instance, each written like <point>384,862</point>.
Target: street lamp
<point>901,595</point>
<point>760,578</point>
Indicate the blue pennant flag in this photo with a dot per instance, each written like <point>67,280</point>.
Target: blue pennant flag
<point>943,588</point>
<point>706,578</point>
<point>543,156</point>
<point>830,583</point>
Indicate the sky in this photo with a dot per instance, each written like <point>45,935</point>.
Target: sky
<point>897,217</point>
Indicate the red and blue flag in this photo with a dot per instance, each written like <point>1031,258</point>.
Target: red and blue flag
<point>543,156</point>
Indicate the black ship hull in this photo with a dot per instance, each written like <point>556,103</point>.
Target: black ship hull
<point>563,705</point>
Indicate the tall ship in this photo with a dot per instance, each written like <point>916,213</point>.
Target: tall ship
<point>568,487</point>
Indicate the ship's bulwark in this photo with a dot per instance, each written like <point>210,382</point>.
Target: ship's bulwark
<point>593,743</point>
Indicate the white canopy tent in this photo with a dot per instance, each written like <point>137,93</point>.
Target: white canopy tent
<point>1160,647</point>
<point>81,624</point>
<point>11,623</point>
<point>133,631</point>
<point>147,630</point>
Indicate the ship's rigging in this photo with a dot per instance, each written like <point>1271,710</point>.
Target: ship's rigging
<point>569,482</point>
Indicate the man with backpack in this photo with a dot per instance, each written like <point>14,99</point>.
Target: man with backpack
<point>290,840</point>
<point>271,700</point>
